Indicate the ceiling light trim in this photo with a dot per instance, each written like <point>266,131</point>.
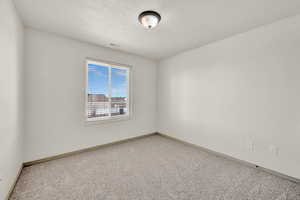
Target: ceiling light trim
<point>149,19</point>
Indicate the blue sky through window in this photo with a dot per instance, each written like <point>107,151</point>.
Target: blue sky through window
<point>118,82</point>
<point>98,80</point>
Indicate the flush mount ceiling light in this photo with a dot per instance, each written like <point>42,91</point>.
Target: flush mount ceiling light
<point>149,19</point>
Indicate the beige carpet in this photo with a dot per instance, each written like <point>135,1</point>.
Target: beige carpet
<point>148,169</point>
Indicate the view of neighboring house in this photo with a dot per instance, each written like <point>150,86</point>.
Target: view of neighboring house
<point>99,105</point>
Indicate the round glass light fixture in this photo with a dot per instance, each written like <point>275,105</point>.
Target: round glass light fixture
<point>149,19</point>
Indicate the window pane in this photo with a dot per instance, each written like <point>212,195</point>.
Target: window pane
<point>118,108</point>
<point>119,85</point>
<point>98,88</point>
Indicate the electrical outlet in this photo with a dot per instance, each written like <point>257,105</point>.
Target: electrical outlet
<point>251,146</point>
<point>274,150</point>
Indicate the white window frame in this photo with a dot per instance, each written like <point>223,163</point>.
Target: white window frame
<point>110,65</point>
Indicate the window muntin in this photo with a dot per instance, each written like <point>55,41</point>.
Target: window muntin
<point>107,91</point>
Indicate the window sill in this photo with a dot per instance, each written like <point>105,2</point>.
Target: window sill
<point>96,121</point>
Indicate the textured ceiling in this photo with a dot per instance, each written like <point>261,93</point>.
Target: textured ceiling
<point>185,24</point>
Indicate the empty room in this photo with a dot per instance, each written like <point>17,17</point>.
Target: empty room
<point>150,100</point>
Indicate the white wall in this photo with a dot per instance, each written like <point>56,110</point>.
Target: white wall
<point>55,82</point>
<point>245,88</point>
<point>11,48</point>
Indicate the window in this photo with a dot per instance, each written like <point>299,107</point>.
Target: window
<point>107,95</point>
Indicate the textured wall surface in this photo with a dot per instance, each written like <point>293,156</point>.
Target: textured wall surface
<point>55,96</point>
<point>11,66</point>
<point>239,96</point>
